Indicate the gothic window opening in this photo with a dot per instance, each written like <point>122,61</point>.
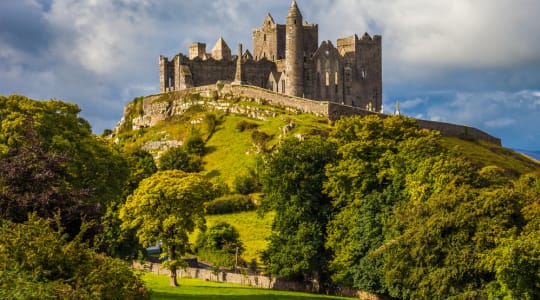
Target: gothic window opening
<point>283,86</point>
<point>364,73</point>
<point>264,37</point>
<point>327,79</point>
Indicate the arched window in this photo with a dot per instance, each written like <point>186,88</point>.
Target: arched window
<point>327,78</point>
<point>336,82</point>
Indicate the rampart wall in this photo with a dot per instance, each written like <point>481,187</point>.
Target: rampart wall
<point>335,111</point>
<point>157,111</point>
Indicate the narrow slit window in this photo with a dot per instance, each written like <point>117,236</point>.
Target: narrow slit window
<point>327,79</point>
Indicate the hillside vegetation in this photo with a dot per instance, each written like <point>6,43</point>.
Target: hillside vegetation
<point>374,204</point>
<point>233,150</point>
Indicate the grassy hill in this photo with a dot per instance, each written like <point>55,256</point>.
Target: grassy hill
<point>234,142</point>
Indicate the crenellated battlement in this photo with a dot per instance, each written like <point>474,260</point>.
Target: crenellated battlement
<point>287,59</point>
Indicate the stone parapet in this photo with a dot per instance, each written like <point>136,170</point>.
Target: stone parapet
<point>155,111</point>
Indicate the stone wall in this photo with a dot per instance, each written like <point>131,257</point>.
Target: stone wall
<point>300,105</point>
<point>258,281</point>
<point>336,111</point>
<point>155,111</point>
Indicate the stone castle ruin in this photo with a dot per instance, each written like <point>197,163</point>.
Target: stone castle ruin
<point>289,68</point>
<point>287,59</point>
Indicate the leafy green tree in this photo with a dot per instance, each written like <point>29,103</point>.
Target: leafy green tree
<point>52,161</point>
<point>245,184</point>
<point>446,240</point>
<point>220,244</point>
<point>38,262</point>
<point>179,158</point>
<point>292,180</point>
<point>195,145</point>
<point>141,165</point>
<point>364,185</point>
<point>112,240</point>
<point>167,207</point>
<point>516,260</point>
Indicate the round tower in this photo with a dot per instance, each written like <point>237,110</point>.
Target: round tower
<point>294,52</point>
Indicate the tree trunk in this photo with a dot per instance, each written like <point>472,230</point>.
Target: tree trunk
<point>172,268</point>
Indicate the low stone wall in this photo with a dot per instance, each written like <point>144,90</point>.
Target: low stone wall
<point>446,129</point>
<point>157,111</point>
<point>302,105</point>
<point>460,131</point>
<point>258,281</point>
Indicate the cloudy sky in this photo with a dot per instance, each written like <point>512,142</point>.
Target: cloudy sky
<point>472,62</point>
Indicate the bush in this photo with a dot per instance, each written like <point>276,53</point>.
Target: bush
<point>195,145</point>
<point>179,159</point>
<point>245,125</point>
<point>229,204</point>
<point>38,262</point>
<point>220,245</point>
<point>244,184</point>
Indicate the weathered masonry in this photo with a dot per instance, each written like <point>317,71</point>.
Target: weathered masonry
<point>287,59</point>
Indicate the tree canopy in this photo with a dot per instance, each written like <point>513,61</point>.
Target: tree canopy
<point>408,218</point>
<point>165,208</point>
<point>38,262</point>
<point>292,181</point>
<point>220,244</point>
<point>50,161</point>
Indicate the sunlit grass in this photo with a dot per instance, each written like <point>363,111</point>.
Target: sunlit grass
<point>253,231</point>
<point>199,289</point>
<point>490,154</point>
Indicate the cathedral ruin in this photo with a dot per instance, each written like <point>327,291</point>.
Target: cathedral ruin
<point>287,59</point>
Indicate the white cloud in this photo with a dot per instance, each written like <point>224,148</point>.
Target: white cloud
<point>104,53</point>
<point>102,36</point>
<point>512,114</point>
<point>500,123</point>
<point>411,103</point>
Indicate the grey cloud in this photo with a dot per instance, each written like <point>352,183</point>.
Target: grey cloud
<point>476,62</point>
<point>513,116</point>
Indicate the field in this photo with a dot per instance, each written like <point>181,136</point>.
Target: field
<point>253,230</point>
<point>198,289</point>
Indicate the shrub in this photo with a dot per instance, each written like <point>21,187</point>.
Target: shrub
<point>229,204</point>
<point>245,125</point>
<point>179,159</point>
<point>220,245</point>
<point>39,262</point>
<point>244,184</point>
<point>195,145</point>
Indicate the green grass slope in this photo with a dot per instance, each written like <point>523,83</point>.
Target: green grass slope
<point>252,228</point>
<point>233,152</point>
<point>199,289</point>
<point>485,154</point>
